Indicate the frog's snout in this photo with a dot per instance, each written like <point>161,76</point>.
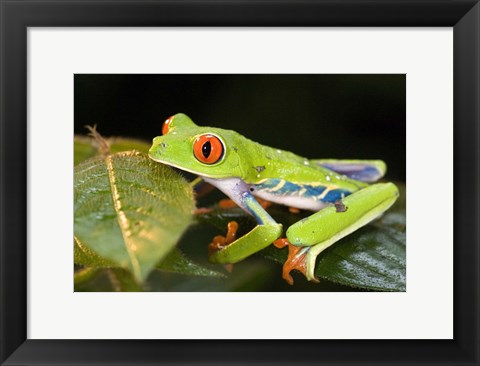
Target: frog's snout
<point>157,147</point>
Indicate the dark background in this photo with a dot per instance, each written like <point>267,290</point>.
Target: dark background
<point>316,116</point>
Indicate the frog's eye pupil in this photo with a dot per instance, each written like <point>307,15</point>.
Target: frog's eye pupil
<point>206,149</point>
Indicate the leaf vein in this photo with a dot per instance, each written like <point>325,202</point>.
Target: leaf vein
<point>121,216</point>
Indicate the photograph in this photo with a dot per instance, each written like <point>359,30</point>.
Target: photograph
<point>240,182</point>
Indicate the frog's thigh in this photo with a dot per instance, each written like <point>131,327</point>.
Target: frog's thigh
<point>324,228</point>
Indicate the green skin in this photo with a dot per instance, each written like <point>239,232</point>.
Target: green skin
<point>246,166</point>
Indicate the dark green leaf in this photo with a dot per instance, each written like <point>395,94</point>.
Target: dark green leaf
<point>123,281</point>
<point>177,262</point>
<point>221,217</point>
<point>371,258</point>
<point>250,275</point>
<point>84,275</point>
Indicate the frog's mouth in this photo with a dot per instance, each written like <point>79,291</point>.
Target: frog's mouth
<point>193,171</point>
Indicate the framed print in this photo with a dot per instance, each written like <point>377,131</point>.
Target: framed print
<point>353,88</point>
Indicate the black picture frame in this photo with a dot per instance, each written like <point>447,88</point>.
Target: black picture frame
<point>18,15</point>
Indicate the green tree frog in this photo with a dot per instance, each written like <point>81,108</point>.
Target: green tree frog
<point>339,191</point>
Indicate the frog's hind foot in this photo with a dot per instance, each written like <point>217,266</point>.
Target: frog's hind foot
<point>220,242</point>
<point>296,259</point>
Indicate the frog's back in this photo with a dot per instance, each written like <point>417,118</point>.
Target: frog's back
<point>267,163</point>
<point>286,178</point>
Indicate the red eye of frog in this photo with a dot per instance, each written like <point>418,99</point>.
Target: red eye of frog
<point>208,149</point>
<point>166,125</point>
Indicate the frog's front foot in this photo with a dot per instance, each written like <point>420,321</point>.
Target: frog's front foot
<point>219,242</point>
<point>297,259</point>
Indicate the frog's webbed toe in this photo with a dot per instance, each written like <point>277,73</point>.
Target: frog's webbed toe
<point>297,259</point>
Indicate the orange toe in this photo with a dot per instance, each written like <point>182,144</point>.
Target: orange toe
<point>220,241</point>
<point>295,260</point>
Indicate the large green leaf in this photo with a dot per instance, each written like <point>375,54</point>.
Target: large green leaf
<point>129,210</point>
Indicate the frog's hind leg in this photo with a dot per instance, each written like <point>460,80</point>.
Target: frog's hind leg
<point>368,171</point>
<point>324,228</point>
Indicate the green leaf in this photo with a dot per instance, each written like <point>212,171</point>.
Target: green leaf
<point>129,210</point>
<point>84,275</point>
<point>371,258</point>
<point>219,218</point>
<point>118,144</point>
<point>251,275</point>
<point>123,281</point>
<point>85,256</point>
<point>174,262</point>
<point>177,262</point>
<point>83,149</point>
